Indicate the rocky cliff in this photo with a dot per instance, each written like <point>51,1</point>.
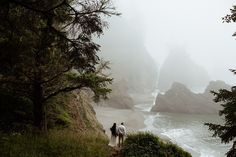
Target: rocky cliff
<point>119,98</point>
<point>180,99</point>
<point>132,67</point>
<point>179,67</point>
<point>83,116</point>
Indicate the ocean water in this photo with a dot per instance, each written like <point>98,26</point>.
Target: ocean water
<point>189,132</point>
<point>186,130</point>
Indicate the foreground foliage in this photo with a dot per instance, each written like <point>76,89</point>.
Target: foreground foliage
<point>16,113</point>
<point>55,144</point>
<point>149,145</point>
<point>47,48</point>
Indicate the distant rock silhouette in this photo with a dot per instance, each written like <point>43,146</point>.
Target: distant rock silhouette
<point>132,67</point>
<point>130,61</point>
<point>179,99</point>
<point>179,67</point>
<point>215,86</point>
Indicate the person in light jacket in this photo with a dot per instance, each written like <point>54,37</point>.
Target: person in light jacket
<point>121,130</point>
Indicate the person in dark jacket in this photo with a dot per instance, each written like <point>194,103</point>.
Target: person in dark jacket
<point>113,135</point>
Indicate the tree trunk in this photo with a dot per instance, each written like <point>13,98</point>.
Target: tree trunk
<point>40,119</point>
<point>39,110</point>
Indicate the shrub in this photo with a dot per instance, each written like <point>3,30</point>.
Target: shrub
<point>16,113</point>
<point>144,144</point>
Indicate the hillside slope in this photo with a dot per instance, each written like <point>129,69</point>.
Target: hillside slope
<point>82,113</point>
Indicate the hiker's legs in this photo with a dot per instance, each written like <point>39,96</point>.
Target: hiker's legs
<point>122,140</point>
<point>119,138</point>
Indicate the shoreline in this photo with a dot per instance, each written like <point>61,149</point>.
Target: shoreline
<point>132,119</point>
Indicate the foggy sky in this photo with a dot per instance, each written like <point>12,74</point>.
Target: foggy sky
<point>195,25</point>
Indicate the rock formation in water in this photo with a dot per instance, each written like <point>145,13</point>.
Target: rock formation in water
<point>179,99</point>
<point>179,67</point>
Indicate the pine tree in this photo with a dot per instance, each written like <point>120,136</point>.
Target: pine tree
<point>226,132</point>
<point>46,48</point>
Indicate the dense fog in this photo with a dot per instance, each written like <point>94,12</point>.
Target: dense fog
<point>161,27</point>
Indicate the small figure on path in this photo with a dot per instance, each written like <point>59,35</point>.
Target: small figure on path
<point>121,133</point>
<point>112,142</point>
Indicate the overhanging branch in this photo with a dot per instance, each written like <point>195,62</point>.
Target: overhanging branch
<point>63,90</point>
<point>56,76</point>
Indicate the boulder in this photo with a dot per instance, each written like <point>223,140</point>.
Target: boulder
<point>179,99</point>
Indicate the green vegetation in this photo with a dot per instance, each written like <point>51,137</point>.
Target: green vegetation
<point>226,132</point>
<point>68,135</point>
<point>55,144</point>
<point>47,48</point>
<point>46,51</point>
<point>16,113</point>
<point>149,145</point>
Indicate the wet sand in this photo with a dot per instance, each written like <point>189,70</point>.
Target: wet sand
<point>133,120</point>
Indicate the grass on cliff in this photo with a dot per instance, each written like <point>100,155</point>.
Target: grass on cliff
<point>144,144</point>
<point>55,144</point>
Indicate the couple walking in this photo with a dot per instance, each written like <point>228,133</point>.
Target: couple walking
<point>119,131</point>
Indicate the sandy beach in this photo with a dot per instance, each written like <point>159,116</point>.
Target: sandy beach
<point>133,120</point>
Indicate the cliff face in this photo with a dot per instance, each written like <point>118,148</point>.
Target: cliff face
<point>82,113</point>
<point>180,99</point>
<point>119,97</point>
